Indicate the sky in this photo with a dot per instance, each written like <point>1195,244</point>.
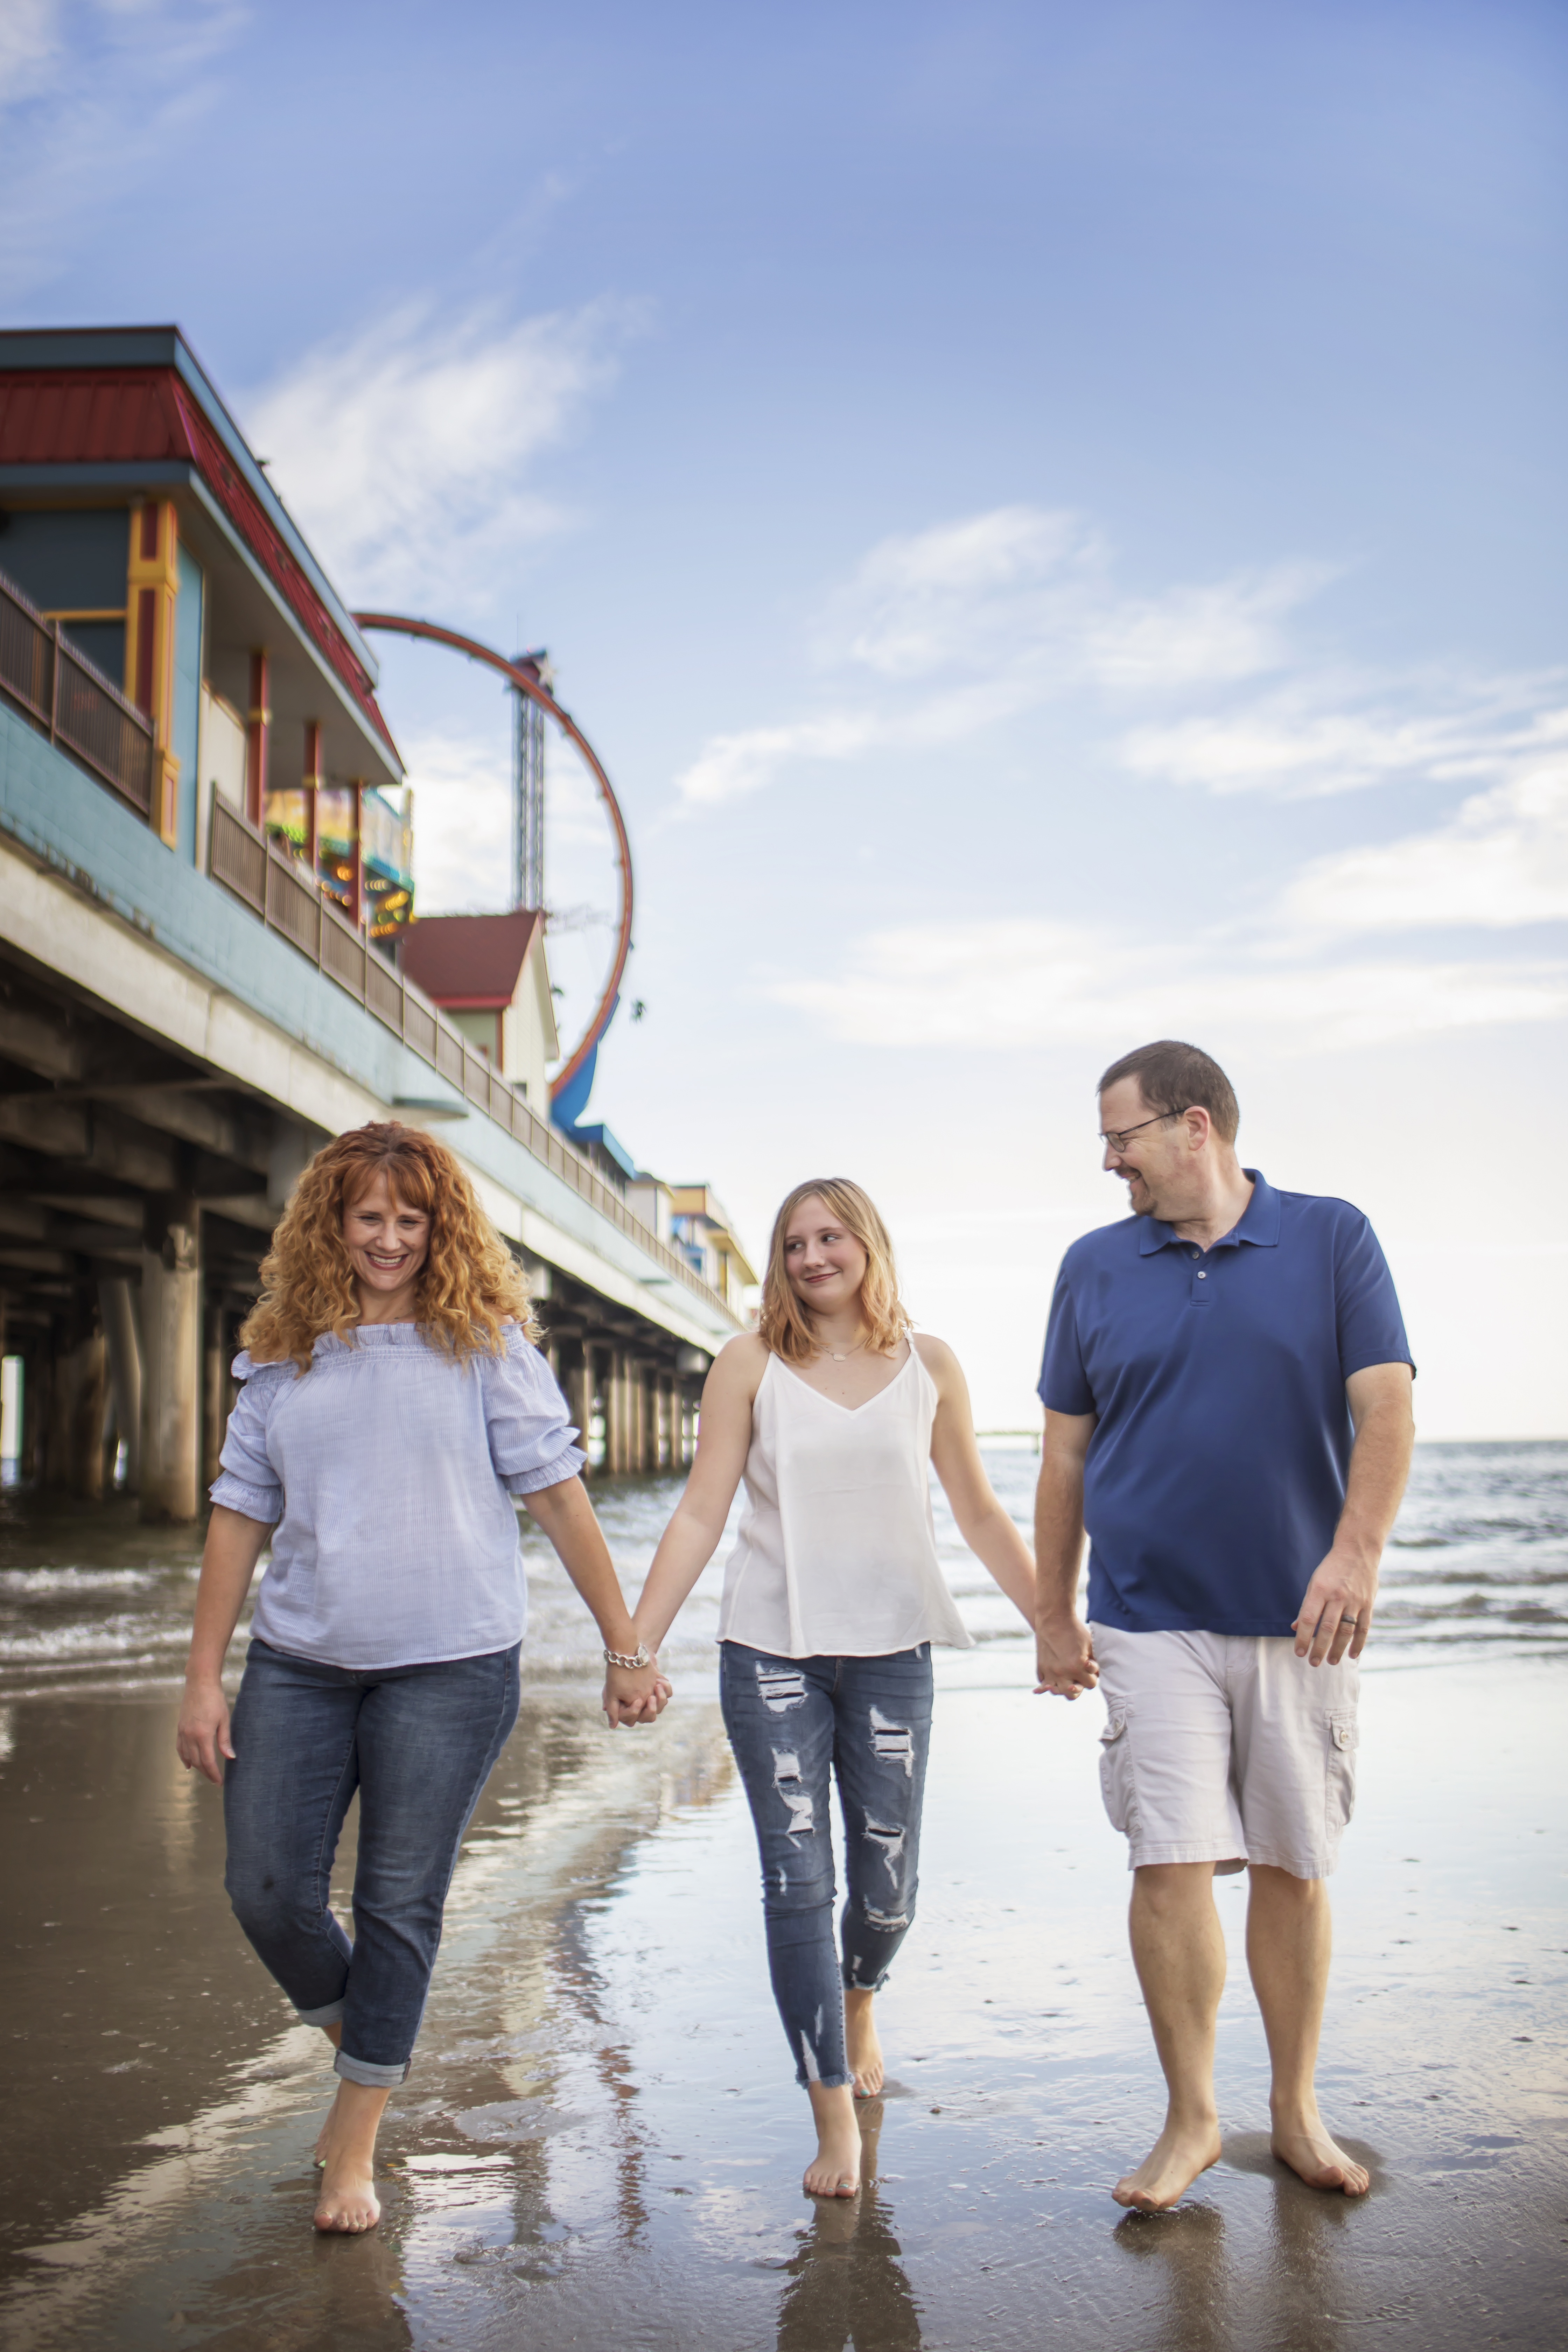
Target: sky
<point>1052,517</point>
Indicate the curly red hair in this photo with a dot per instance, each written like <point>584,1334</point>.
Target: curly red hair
<point>470,1286</point>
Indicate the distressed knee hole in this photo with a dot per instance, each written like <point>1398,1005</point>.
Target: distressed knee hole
<point>890,1922</point>
<point>786,1780</point>
<point>890,1842</point>
<point>894,1742</point>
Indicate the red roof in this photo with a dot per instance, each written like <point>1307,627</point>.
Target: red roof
<point>86,415</point>
<point>470,964</point>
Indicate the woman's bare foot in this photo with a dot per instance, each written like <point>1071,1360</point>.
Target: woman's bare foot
<point>861,2044</point>
<point>347,2202</point>
<point>836,2169</point>
<point>1171,2167</point>
<point>1309,2150</point>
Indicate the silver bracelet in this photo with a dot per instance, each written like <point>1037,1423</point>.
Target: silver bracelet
<point>634,1664</point>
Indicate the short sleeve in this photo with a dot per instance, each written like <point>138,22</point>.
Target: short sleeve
<point>248,1483</point>
<point>1366,1307</point>
<point>1064,1382</point>
<point>529,1430</point>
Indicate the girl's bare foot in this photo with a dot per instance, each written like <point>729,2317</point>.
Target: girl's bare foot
<point>861,2042</point>
<point>1173,2163</point>
<point>1309,2150</point>
<point>836,2169</point>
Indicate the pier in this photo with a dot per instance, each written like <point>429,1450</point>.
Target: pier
<point>197,990</point>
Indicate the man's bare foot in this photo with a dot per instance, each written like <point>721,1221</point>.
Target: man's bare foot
<point>836,2169</point>
<point>861,2045</point>
<point>1310,2152</point>
<point>348,2201</point>
<point>1171,2167</point>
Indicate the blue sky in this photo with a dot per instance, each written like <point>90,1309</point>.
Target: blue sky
<point>1052,515</point>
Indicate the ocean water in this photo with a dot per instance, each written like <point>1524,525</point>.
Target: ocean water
<point>91,1600</point>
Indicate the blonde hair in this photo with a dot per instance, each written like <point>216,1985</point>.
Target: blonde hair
<point>469,1286</point>
<point>785,1324</point>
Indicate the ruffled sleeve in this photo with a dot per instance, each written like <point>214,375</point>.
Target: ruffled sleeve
<point>531,1433</point>
<point>248,1483</point>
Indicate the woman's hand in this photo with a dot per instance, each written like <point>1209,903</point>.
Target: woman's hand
<point>202,1736</point>
<point>633,1696</point>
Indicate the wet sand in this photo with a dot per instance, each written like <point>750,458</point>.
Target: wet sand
<point>601,2143</point>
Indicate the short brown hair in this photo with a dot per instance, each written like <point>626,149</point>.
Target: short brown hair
<point>1173,1078</point>
<point>783,1324</point>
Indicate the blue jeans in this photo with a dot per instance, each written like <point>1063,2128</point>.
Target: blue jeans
<point>790,1721</point>
<point>418,1743</point>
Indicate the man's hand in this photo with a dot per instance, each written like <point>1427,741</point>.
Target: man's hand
<point>203,1734</point>
<point>1336,1615</point>
<point>1065,1662</point>
<point>633,1697</point>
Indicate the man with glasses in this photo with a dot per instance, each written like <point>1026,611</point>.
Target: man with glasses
<point>1227,1394</point>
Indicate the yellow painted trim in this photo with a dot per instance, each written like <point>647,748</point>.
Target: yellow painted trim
<point>85,612</point>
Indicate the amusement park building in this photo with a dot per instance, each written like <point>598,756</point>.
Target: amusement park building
<point>490,976</point>
<point>203,842</point>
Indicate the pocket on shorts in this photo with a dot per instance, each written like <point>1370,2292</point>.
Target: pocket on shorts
<point>1116,1771</point>
<point>1343,1739</point>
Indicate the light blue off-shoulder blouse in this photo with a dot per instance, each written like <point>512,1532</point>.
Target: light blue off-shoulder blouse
<point>389,1471</point>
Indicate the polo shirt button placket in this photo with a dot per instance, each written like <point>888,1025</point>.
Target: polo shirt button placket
<point>1199,1296</point>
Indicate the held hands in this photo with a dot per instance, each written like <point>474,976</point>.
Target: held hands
<point>203,1734</point>
<point>633,1696</point>
<point>1065,1662</point>
<point>1336,1615</point>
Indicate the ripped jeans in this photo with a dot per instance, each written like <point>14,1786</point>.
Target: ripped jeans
<point>790,1721</point>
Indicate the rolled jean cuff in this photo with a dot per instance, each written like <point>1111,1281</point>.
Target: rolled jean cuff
<point>374,2078</point>
<point>825,2082</point>
<point>328,2014</point>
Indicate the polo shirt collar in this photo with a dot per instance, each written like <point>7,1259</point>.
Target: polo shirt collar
<point>1260,1222</point>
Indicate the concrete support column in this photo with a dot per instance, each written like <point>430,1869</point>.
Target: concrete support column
<point>117,1305</point>
<point>214,1393</point>
<point>90,1375</point>
<point>577,1378</point>
<point>170,1358</point>
<point>615,1413</point>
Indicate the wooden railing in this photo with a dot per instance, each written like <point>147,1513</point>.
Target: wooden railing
<point>268,881</point>
<point>72,702</point>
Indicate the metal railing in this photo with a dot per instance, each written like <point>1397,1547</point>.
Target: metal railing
<point>68,699</point>
<point>273,886</point>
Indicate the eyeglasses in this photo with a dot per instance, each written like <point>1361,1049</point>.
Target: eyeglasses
<point>1115,1139</point>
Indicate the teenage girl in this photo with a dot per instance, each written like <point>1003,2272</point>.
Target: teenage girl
<point>833,1597</point>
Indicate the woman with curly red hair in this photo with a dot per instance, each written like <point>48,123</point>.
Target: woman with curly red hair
<point>834,1415</point>
<point>393,1405</point>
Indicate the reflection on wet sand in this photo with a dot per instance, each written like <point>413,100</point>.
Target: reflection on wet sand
<point>847,2286</point>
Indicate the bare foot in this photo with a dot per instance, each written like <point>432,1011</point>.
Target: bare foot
<point>863,2048</point>
<point>836,2169</point>
<point>1171,2167</point>
<point>1322,2165</point>
<point>348,2201</point>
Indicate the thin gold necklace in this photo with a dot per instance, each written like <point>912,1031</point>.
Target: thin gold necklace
<point>843,1359</point>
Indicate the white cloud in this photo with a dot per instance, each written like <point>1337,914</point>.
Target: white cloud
<point>94,97</point>
<point>1299,745</point>
<point>404,450</point>
<point>1502,860</point>
<point>992,615</point>
<point>1021,983</point>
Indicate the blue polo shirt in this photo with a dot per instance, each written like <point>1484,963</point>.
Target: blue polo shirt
<point>1216,1471</point>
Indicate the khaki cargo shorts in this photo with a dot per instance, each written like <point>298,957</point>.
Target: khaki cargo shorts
<point>1225,1748</point>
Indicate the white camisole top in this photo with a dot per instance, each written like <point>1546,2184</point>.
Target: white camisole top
<point>836,1550</point>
